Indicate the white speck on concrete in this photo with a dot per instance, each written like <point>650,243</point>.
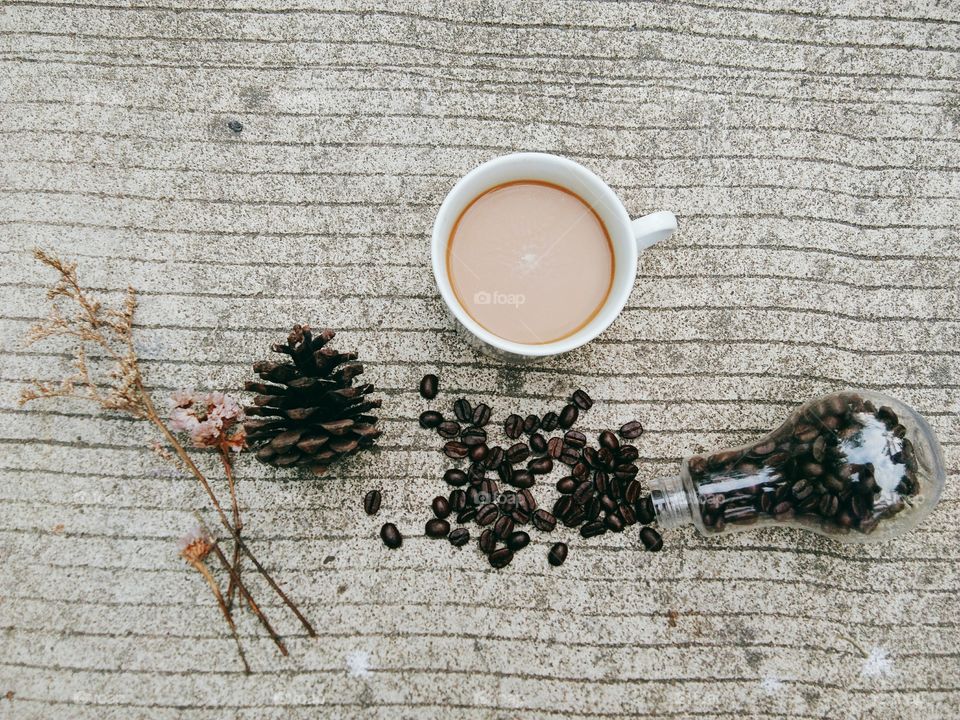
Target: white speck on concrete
<point>771,684</point>
<point>877,664</point>
<point>358,663</point>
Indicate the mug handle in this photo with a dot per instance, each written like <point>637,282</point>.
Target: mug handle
<point>653,228</point>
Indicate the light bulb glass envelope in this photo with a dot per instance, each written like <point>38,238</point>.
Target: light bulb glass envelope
<point>857,466</point>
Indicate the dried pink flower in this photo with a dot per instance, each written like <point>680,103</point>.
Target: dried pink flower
<point>195,545</point>
<point>212,420</point>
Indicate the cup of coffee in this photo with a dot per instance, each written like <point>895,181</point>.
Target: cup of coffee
<point>535,255</point>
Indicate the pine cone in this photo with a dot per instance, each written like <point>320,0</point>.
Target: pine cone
<point>313,414</point>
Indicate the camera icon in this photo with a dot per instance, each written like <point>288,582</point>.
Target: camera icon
<point>482,297</point>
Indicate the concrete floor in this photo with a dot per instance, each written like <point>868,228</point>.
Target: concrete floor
<point>811,153</point>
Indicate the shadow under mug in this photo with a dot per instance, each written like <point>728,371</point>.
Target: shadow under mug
<point>628,237</point>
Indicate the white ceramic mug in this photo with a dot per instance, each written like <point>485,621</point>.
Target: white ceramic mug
<point>628,236</point>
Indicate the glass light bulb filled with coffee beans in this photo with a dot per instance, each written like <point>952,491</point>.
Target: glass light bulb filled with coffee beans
<point>857,466</point>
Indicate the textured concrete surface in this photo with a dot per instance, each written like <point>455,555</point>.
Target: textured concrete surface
<point>810,150</point>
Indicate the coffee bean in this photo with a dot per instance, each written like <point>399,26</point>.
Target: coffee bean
<point>473,436</point>
<point>568,416</point>
<point>513,426</point>
<point>626,472</point>
<point>517,453</point>
<point>522,479</point>
<point>440,506</point>
<point>563,506</point>
<point>557,554</point>
<point>478,453</point>
<point>540,466</point>
<point>494,457</point>
<point>487,514</point>
<point>601,481</point>
<point>455,477</point>
<point>448,429</point>
<point>608,440</point>
<point>505,471</point>
<point>631,492</point>
<point>488,541</point>
<point>802,489</point>
<point>590,457</point>
<point>549,422</point>
<point>544,521</point>
<point>575,517</point>
<point>481,415</point>
<point>627,513</point>
<point>477,472</point>
<point>437,528</point>
<point>503,527</point>
<point>459,537</point>
<point>575,439</point>
<point>531,423</point>
<point>591,511</point>
<point>569,456</point>
<point>592,529</point>
<point>466,515</point>
<point>644,510</point>
<point>429,386</point>
<point>371,502</point>
<point>566,485</point>
<point>430,419</point>
<point>581,400</point>
<point>608,504</point>
<point>631,430</point>
<point>538,444</point>
<point>625,454</point>
<point>583,492</point>
<point>463,410</point>
<point>391,536</point>
<point>526,501</point>
<point>555,447</point>
<point>828,505</point>
<point>458,500</point>
<point>518,540</point>
<point>613,522</point>
<point>501,558</point>
<point>651,539</point>
<point>813,470</point>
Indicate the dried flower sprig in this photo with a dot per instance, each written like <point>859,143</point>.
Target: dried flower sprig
<point>195,546</point>
<point>110,333</point>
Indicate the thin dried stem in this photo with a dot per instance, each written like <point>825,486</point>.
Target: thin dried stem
<point>237,522</point>
<point>202,568</point>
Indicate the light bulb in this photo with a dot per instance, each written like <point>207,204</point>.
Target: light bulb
<point>856,466</point>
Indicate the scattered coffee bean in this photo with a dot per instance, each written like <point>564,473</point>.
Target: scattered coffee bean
<point>540,466</point>
<point>473,436</point>
<point>481,415</point>
<point>430,419</point>
<point>613,522</point>
<point>631,430</point>
<point>455,449</point>
<point>549,422</point>
<point>487,514</point>
<point>458,500</point>
<point>488,541</point>
<point>513,426</point>
<point>526,501</point>
<point>459,537</point>
<point>501,558</point>
<point>651,539</point>
<point>440,506</point>
<point>538,444</point>
<point>437,528</point>
<point>371,502</point>
<point>448,429</point>
<point>568,416</point>
<point>522,479</point>
<point>531,424</point>
<point>517,453</point>
<point>455,477</point>
<point>505,471</point>
<point>608,440</point>
<point>466,515</point>
<point>463,410</point>
<point>593,529</point>
<point>555,447</point>
<point>478,453</point>
<point>494,457</point>
<point>557,554</point>
<point>575,439</point>
<point>391,536</point>
<point>503,527</point>
<point>517,540</point>
<point>544,521</point>
<point>566,485</point>
<point>429,386</point>
<point>581,400</point>
<point>644,510</point>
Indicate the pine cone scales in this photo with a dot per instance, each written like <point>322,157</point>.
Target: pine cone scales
<point>309,412</point>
